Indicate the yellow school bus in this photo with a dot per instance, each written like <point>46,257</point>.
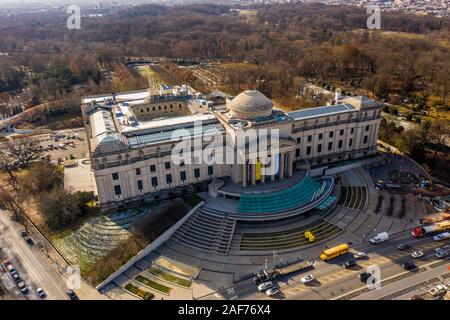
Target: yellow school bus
<point>334,252</point>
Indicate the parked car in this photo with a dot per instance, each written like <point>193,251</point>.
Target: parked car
<point>359,255</point>
<point>403,246</point>
<point>350,263</point>
<point>416,254</point>
<point>12,271</point>
<point>29,241</point>
<point>440,253</point>
<point>265,286</point>
<point>409,266</point>
<point>72,295</point>
<point>272,291</point>
<point>23,287</point>
<point>23,233</point>
<point>17,278</point>
<point>442,236</point>
<point>440,289</point>
<point>41,293</point>
<point>364,276</point>
<point>306,279</point>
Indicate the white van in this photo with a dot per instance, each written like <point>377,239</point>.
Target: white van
<point>379,238</point>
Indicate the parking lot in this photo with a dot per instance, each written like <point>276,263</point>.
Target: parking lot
<point>64,145</point>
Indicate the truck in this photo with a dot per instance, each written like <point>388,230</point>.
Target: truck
<point>436,293</point>
<point>429,219</point>
<point>379,238</point>
<point>430,229</point>
<point>264,275</point>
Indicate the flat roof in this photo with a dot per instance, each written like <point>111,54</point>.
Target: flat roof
<point>120,97</point>
<point>167,122</point>
<point>320,111</point>
<point>157,137</point>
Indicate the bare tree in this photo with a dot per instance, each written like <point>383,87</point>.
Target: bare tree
<point>438,134</point>
<point>24,150</point>
<point>6,165</point>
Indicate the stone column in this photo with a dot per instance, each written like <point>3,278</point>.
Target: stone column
<point>291,163</point>
<point>281,165</point>
<point>253,168</point>
<point>244,175</point>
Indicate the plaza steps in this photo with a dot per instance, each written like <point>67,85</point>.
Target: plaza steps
<point>207,230</point>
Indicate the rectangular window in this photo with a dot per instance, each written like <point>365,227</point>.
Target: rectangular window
<point>350,142</point>
<point>115,176</point>
<point>210,170</point>
<point>167,165</point>
<point>197,173</point>
<point>367,128</point>
<point>320,136</point>
<point>140,185</point>
<point>365,139</point>
<point>319,148</point>
<point>330,145</point>
<point>183,175</point>
<point>138,171</point>
<point>298,140</point>
<point>297,152</point>
<point>154,181</point>
<point>309,138</point>
<point>117,190</point>
<point>152,168</point>
<point>168,178</point>
<point>308,150</point>
<point>352,130</point>
<point>341,132</point>
<point>331,134</point>
<point>340,144</point>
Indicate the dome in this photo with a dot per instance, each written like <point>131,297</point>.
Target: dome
<point>251,104</point>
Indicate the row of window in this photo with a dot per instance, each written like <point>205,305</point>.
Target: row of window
<point>331,134</point>
<point>330,146</point>
<point>154,180</point>
<point>160,108</point>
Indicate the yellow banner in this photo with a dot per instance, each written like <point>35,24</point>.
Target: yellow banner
<point>258,170</point>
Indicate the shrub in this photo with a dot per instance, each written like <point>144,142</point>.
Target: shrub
<point>140,293</point>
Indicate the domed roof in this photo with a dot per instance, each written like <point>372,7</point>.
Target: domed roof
<point>251,104</point>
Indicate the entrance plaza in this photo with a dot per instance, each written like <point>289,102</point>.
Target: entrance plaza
<point>224,247</point>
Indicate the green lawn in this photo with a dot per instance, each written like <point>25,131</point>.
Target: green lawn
<point>152,284</point>
<point>169,277</point>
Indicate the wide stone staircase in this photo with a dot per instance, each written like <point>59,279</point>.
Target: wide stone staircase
<point>207,230</point>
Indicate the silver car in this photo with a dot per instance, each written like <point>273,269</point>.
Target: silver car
<point>439,253</point>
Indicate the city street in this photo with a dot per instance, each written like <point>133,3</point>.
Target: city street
<point>34,267</point>
<point>333,281</point>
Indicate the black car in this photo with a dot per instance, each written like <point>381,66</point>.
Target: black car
<point>72,295</point>
<point>364,276</point>
<point>17,278</point>
<point>409,266</point>
<point>23,233</point>
<point>403,246</point>
<point>29,241</point>
<point>350,263</point>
